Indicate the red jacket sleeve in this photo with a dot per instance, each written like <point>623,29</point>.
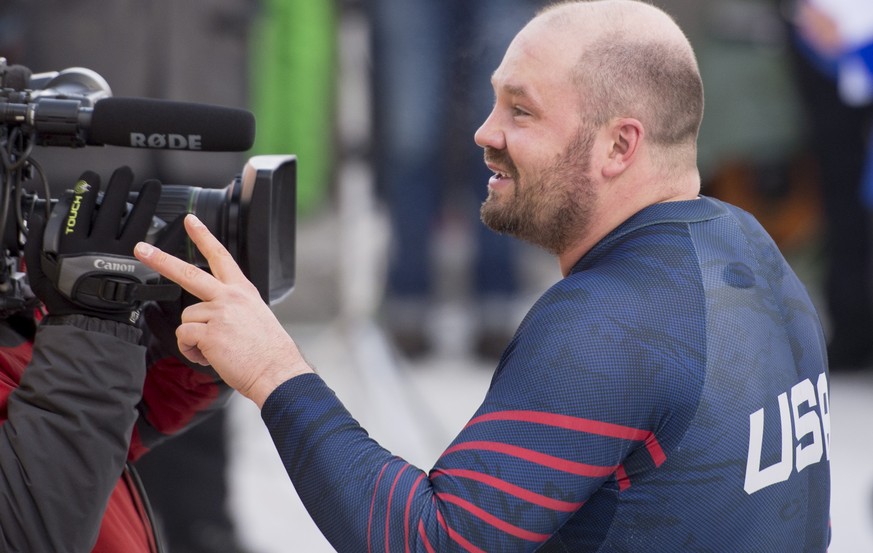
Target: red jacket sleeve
<point>177,394</point>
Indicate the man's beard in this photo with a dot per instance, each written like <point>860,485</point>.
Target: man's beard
<point>553,209</point>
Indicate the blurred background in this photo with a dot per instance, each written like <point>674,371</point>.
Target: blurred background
<point>403,301</point>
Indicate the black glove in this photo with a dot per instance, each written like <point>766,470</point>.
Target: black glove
<point>81,261</point>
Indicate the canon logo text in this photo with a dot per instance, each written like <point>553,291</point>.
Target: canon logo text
<point>104,265</point>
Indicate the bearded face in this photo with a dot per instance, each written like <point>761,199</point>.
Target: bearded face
<point>550,206</point>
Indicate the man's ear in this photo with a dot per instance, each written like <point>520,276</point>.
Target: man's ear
<point>625,137</point>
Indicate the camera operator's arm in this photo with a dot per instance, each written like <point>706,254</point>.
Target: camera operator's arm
<point>64,443</point>
<point>177,394</point>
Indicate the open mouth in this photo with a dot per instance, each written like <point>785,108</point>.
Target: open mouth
<point>500,180</point>
<point>500,175</point>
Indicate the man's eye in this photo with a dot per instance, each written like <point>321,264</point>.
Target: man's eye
<point>519,112</point>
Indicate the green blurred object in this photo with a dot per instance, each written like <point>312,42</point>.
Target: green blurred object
<point>293,93</point>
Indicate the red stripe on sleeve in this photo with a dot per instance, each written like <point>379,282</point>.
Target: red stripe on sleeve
<point>441,520</point>
<point>459,539</point>
<point>424,539</point>
<point>564,421</point>
<point>388,509</point>
<point>406,511</point>
<point>543,459</point>
<point>501,525</point>
<point>373,506</point>
<point>658,455</point>
<point>622,479</point>
<point>579,425</point>
<point>512,489</point>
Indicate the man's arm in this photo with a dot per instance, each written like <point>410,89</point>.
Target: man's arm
<point>513,476</point>
<point>65,442</point>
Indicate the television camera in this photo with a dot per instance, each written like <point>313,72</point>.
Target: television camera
<point>253,215</point>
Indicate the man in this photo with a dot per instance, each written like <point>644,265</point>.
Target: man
<point>79,395</point>
<point>669,394</point>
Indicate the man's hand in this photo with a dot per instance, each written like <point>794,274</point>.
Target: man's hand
<point>231,328</point>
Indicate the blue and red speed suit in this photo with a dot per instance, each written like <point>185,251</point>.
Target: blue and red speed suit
<point>670,394</point>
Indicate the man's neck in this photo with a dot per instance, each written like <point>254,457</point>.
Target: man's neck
<point>616,207</point>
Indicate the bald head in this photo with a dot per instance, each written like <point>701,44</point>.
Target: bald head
<point>596,112</point>
<point>602,17</point>
<point>629,59</point>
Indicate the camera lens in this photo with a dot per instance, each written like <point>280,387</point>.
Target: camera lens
<point>253,217</point>
<point>212,206</point>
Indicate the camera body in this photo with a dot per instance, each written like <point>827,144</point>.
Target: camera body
<point>254,216</point>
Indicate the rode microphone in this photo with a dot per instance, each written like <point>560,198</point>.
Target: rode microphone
<point>75,108</point>
<point>168,125</point>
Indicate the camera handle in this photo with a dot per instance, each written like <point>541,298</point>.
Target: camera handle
<point>105,282</point>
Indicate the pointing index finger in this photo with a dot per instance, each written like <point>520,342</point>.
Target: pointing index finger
<point>193,279</point>
<point>188,276</point>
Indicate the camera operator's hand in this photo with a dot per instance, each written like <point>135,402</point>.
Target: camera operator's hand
<point>81,261</point>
